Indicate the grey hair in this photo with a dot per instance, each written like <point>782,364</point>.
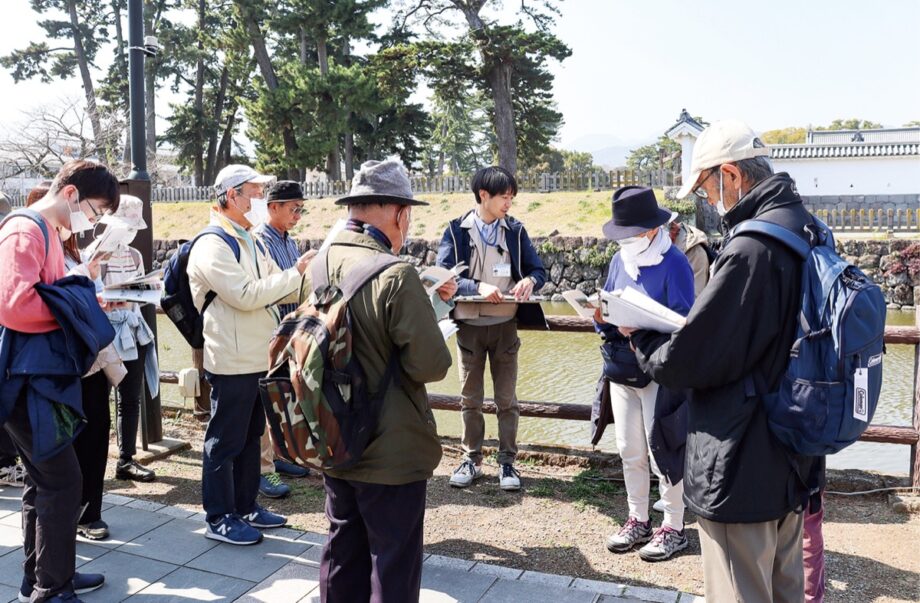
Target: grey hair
<point>755,169</point>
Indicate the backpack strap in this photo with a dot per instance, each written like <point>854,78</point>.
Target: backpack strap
<point>364,271</point>
<point>33,215</point>
<point>229,240</point>
<point>774,231</point>
<point>356,277</point>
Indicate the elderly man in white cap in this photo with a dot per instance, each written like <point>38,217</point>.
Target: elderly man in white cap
<point>243,284</point>
<point>747,490</point>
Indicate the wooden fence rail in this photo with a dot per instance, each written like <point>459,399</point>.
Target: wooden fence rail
<point>871,219</point>
<point>528,181</point>
<point>886,434</point>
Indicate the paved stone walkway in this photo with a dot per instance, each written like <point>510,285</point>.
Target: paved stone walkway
<point>158,554</point>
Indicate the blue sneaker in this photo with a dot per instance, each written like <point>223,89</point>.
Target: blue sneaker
<point>290,469</point>
<point>82,583</point>
<point>263,518</point>
<point>232,530</point>
<point>270,485</point>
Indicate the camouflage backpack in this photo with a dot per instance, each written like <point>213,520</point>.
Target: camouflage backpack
<point>315,396</point>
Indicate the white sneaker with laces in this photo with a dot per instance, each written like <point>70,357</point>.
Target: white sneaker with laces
<point>664,544</point>
<point>508,477</point>
<point>465,474</point>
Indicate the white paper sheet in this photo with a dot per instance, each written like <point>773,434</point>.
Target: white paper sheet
<point>435,276</point>
<point>338,227</point>
<point>584,305</point>
<point>632,308</point>
<point>448,327</point>
<point>148,296</point>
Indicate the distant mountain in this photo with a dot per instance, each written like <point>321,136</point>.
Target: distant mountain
<point>609,151</point>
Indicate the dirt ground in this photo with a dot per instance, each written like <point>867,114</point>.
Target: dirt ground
<point>569,504</point>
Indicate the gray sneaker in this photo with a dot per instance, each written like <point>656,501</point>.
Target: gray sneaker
<point>665,543</point>
<point>13,476</point>
<point>632,533</point>
<point>465,474</point>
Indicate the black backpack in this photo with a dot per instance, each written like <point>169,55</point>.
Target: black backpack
<point>177,301</point>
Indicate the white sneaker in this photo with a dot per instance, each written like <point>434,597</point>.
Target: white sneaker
<point>465,474</point>
<point>658,506</point>
<point>509,478</point>
<point>13,476</point>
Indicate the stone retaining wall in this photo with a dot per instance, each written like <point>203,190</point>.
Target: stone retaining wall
<point>581,262</point>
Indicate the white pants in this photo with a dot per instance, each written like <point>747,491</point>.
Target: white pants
<point>633,409</point>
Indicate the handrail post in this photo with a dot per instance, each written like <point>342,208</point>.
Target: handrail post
<point>202,410</point>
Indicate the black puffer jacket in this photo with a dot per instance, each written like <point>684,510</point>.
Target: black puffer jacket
<point>734,346</point>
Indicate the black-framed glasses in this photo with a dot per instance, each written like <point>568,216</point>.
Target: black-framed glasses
<point>698,191</point>
<point>96,214</point>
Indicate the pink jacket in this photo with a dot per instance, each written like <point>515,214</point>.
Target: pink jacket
<point>22,265</point>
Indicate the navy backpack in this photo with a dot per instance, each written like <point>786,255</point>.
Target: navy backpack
<point>831,386</point>
<point>177,300</point>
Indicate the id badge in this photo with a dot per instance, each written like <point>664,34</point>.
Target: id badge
<point>501,270</point>
<point>861,395</point>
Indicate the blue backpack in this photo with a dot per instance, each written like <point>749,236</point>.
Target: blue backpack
<point>831,386</point>
<point>177,301</point>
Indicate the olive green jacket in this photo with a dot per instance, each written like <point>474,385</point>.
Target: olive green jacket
<point>392,309</point>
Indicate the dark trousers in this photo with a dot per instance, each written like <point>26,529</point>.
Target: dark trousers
<point>230,463</point>
<point>7,450</point>
<point>50,503</point>
<point>374,549</point>
<point>92,445</point>
<point>128,408</point>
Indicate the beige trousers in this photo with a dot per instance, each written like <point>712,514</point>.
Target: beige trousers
<point>499,343</point>
<point>267,453</point>
<point>753,562</point>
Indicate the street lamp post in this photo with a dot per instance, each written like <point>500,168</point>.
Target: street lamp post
<point>138,184</point>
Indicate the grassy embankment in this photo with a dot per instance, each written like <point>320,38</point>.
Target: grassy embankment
<point>568,213</point>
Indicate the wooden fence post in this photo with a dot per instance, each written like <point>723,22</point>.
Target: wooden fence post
<point>915,419</point>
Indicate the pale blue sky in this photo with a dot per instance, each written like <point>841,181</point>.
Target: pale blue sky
<point>636,63</point>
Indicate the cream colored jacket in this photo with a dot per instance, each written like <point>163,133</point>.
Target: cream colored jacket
<point>239,322</point>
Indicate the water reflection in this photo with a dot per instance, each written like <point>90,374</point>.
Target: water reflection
<point>564,367</point>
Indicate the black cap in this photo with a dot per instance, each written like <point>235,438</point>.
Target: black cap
<point>285,190</point>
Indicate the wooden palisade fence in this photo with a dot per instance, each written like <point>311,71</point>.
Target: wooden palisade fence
<point>528,181</point>
<point>867,220</point>
<point>886,434</point>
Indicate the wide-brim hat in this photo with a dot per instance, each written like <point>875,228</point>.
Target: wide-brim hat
<point>129,215</point>
<point>635,211</point>
<point>381,182</point>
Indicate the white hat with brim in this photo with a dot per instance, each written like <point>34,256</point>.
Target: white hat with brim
<point>725,141</point>
<point>129,215</point>
<point>236,174</point>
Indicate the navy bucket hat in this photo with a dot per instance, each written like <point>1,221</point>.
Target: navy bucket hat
<point>635,211</point>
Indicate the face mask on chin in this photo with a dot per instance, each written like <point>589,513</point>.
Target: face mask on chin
<point>78,221</point>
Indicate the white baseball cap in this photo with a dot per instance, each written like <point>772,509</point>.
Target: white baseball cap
<point>236,174</point>
<point>130,214</point>
<point>725,141</point>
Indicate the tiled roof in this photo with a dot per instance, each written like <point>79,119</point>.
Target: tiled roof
<point>842,151</point>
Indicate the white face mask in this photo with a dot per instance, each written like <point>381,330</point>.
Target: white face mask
<point>404,235</point>
<point>78,221</point>
<point>720,207</point>
<point>258,211</point>
<point>633,246</point>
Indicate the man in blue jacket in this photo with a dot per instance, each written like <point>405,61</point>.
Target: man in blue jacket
<point>503,268</point>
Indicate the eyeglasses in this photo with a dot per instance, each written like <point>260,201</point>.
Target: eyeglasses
<point>698,191</point>
<point>298,211</point>
<point>96,214</point>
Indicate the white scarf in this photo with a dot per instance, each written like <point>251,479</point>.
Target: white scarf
<point>650,256</point>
